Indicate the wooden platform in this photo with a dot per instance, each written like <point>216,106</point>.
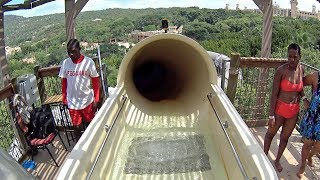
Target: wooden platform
<point>53,99</point>
<point>45,167</point>
<point>291,156</point>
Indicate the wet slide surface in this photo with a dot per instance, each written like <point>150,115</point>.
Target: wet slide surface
<point>166,155</point>
<point>164,147</point>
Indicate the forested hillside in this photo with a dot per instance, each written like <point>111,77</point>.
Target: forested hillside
<point>219,30</point>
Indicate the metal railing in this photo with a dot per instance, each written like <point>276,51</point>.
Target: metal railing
<point>224,126</point>
<point>123,101</point>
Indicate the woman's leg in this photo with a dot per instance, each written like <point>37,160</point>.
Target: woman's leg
<point>314,150</point>
<point>305,153</point>
<point>287,128</point>
<point>271,132</point>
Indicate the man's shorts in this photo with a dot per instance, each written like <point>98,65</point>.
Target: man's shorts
<point>78,114</point>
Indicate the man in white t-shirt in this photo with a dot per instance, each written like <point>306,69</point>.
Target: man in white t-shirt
<point>78,72</point>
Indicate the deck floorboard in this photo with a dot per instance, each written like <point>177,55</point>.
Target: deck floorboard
<point>291,157</point>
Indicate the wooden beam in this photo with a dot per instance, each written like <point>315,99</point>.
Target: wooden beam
<point>261,62</point>
<point>267,9</point>
<point>70,19</point>
<point>49,71</point>
<point>267,29</point>
<point>3,60</point>
<point>79,6</point>
<point>26,5</point>
<point>39,3</point>
<point>72,10</point>
<point>40,84</point>
<point>16,7</point>
<point>3,2</point>
<point>233,76</point>
<point>6,92</point>
<point>260,4</point>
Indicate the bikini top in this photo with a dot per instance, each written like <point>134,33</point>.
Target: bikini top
<point>286,85</point>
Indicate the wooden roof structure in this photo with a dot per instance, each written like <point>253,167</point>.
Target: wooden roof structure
<point>72,9</point>
<point>28,4</point>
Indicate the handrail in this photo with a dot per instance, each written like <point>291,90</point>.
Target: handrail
<point>224,125</point>
<point>124,98</point>
<point>307,65</point>
<point>6,92</point>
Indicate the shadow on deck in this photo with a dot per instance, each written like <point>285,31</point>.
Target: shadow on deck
<point>290,160</point>
<point>45,167</point>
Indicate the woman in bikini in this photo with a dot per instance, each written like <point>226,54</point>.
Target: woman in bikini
<point>284,104</point>
<point>310,124</point>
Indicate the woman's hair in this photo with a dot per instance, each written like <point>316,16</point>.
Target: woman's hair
<point>73,43</point>
<point>295,47</point>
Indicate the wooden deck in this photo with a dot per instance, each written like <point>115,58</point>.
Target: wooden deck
<point>46,168</point>
<point>291,156</point>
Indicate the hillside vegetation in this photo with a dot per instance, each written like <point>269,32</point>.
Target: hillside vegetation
<point>218,30</point>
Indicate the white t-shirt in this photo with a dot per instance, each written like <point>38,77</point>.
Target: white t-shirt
<point>79,91</point>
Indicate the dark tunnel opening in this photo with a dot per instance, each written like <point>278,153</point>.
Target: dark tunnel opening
<point>155,80</point>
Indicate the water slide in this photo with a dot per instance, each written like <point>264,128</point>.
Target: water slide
<point>167,118</point>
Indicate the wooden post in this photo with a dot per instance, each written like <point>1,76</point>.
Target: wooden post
<point>233,76</point>
<point>267,9</point>
<point>40,83</point>
<point>3,61</point>
<point>72,9</point>
<point>15,85</point>
<point>70,19</point>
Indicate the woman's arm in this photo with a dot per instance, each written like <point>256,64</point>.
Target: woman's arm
<point>310,80</point>
<point>275,90</point>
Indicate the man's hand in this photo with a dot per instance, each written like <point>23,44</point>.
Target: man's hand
<point>94,106</point>
<point>65,103</point>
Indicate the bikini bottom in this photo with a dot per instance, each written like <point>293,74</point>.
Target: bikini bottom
<point>287,110</point>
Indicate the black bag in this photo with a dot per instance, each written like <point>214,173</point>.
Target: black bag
<point>41,123</point>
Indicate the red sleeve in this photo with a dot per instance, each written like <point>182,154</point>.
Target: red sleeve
<point>96,88</point>
<point>64,90</point>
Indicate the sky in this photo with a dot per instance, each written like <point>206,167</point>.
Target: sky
<point>58,5</point>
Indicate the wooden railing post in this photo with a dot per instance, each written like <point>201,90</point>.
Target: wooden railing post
<point>40,83</point>
<point>233,76</point>
<point>15,85</point>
